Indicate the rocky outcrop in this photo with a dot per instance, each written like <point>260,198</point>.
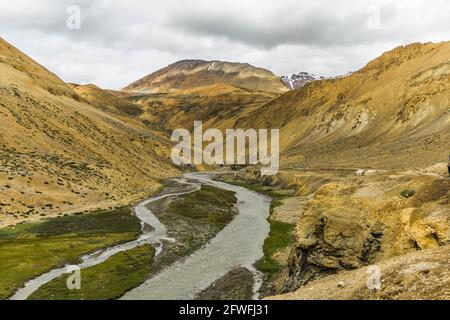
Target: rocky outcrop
<point>348,225</point>
<point>418,275</point>
<point>304,183</point>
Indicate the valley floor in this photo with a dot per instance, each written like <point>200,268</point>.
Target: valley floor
<point>192,219</point>
<point>327,228</point>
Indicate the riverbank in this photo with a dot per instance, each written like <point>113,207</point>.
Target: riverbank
<point>239,244</point>
<point>235,285</point>
<point>280,239</point>
<point>31,249</point>
<point>349,219</point>
<point>108,280</point>
<point>192,216</point>
<point>191,220</point>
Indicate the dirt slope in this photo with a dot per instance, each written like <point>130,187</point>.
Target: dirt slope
<point>395,112</point>
<point>59,154</point>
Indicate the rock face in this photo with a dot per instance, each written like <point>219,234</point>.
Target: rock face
<point>190,74</point>
<point>358,222</point>
<point>299,80</point>
<point>346,222</point>
<point>420,275</point>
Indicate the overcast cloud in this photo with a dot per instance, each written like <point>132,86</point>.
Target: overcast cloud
<point>121,41</point>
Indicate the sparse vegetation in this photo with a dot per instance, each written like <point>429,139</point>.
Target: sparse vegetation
<point>208,205</point>
<point>193,220</point>
<point>391,116</point>
<point>408,193</point>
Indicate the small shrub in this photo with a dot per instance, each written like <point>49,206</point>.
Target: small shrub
<point>408,193</point>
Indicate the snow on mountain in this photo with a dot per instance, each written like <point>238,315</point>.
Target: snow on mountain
<point>298,80</point>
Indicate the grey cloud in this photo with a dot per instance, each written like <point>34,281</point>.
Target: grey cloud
<point>121,41</point>
<point>322,23</point>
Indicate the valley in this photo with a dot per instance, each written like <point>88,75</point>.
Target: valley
<point>32,249</point>
<point>180,234</point>
<point>86,178</point>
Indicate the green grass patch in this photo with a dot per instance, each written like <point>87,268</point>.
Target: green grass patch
<point>281,236</point>
<point>31,249</point>
<point>108,280</point>
<point>208,205</point>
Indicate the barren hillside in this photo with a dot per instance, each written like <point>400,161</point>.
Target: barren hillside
<point>218,105</point>
<point>395,112</point>
<point>59,154</point>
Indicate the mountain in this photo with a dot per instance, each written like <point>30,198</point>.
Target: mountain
<point>393,113</point>
<point>299,80</point>
<point>60,154</point>
<point>190,74</point>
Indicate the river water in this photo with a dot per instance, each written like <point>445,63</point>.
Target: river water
<point>239,244</point>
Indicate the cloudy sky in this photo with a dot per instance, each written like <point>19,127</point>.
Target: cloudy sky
<point>119,41</point>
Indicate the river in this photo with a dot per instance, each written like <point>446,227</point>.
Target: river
<point>239,244</point>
